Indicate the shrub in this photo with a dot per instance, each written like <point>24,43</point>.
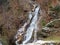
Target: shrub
<point>50,25</point>
<point>43,23</point>
<point>57,8</point>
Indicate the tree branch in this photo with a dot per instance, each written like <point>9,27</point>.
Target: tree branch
<point>46,28</point>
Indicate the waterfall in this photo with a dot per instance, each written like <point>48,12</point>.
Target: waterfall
<point>33,17</point>
<point>33,25</point>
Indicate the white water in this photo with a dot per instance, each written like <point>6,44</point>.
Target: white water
<point>33,16</point>
<point>43,42</point>
<point>33,25</point>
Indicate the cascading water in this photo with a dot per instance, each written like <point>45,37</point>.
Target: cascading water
<point>32,21</point>
<point>33,17</point>
<point>33,25</point>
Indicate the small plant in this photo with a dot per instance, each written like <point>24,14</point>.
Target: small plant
<point>55,12</point>
<point>43,23</point>
<point>50,25</point>
<point>57,8</point>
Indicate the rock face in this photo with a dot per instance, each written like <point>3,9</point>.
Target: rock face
<point>12,16</point>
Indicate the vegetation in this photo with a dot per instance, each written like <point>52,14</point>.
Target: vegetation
<point>50,25</point>
<point>43,22</point>
<point>55,11</point>
<point>57,8</point>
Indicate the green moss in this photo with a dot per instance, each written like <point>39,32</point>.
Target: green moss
<point>43,23</point>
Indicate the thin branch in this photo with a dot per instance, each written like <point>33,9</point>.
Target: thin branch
<point>45,27</point>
